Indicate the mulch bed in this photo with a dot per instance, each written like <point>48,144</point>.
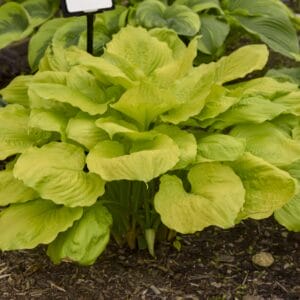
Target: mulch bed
<point>213,264</point>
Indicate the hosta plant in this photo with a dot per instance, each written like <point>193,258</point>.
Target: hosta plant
<point>267,20</point>
<point>18,19</point>
<point>139,142</point>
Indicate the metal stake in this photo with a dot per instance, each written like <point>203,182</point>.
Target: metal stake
<point>90,32</point>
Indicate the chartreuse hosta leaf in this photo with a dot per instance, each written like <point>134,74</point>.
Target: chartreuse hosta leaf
<point>267,187</point>
<point>291,101</point>
<point>180,18</point>
<point>145,103</point>
<point>180,66</point>
<point>140,50</point>
<point>114,125</point>
<point>185,141</point>
<point>216,197</point>
<point>131,56</point>
<point>83,130</point>
<point>15,134</point>
<point>65,94</point>
<point>14,24</point>
<point>249,110</point>
<point>48,120</point>
<point>13,190</point>
<point>103,70</point>
<point>26,225</point>
<point>191,92</point>
<point>269,142</point>
<point>193,89</point>
<point>85,240</point>
<point>55,171</point>
<point>216,103</point>
<point>289,214</point>
<point>149,155</point>
<point>219,147</point>
<point>241,62</point>
<point>265,86</point>
<point>16,91</point>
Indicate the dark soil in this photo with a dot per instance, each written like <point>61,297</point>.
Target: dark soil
<point>214,264</point>
<point>13,62</point>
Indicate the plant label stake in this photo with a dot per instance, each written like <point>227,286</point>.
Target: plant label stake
<point>88,8</point>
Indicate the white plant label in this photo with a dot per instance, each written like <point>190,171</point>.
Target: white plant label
<point>76,6</point>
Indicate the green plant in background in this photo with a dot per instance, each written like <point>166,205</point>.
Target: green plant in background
<point>139,141</point>
<point>65,32</point>
<point>269,21</point>
<point>18,19</point>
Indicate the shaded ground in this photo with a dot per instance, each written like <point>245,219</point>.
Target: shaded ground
<point>214,264</point>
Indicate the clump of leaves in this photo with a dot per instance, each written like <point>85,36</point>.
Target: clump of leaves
<point>270,21</point>
<point>18,19</point>
<point>138,141</point>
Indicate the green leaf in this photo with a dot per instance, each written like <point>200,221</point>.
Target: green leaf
<point>85,240</point>
<point>191,92</point>
<point>113,125</point>
<point>264,86</point>
<point>267,187</point>
<point>139,50</point>
<point>13,190</point>
<point>285,74</point>
<point>16,91</point>
<point>249,110</point>
<point>145,103</point>
<point>26,225</point>
<point>69,34</point>
<point>82,81</point>
<point>171,38</point>
<point>83,130</point>
<point>199,6</point>
<point>15,136</point>
<point>14,23</point>
<point>180,18</point>
<point>216,198</point>
<point>55,171</point>
<point>289,214</point>
<point>219,147</point>
<point>269,142</point>
<point>65,94</point>
<point>214,32</point>
<point>185,141</point>
<point>267,20</point>
<point>181,65</point>
<point>42,39</point>
<point>104,70</point>
<point>291,101</point>
<point>217,102</point>
<point>40,10</point>
<point>48,121</point>
<point>241,62</point>
<point>146,159</point>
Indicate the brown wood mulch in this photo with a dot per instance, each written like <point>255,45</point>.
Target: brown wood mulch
<point>213,264</point>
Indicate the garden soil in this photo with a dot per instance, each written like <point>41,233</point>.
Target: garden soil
<point>213,264</point>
